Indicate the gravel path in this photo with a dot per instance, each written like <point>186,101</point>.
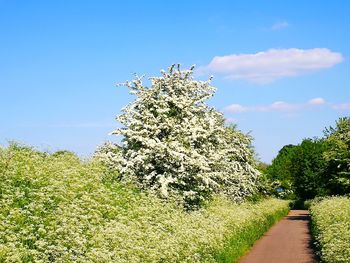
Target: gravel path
<point>286,242</point>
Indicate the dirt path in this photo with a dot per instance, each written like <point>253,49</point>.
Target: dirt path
<point>286,242</point>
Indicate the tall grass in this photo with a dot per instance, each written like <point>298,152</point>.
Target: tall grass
<point>55,208</point>
<point>331,228</point>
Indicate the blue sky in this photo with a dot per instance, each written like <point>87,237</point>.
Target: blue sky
<point>281,68</point>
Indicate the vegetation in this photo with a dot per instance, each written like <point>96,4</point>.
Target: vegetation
<point>55,208</point>
<point>315,167</point>
<point>337,156</point>
<point>331,228</point>
<point>299,169</point>
<point>127,203</point>
<point>173,142</point>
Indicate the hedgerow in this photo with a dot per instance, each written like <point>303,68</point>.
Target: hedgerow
<point>55,208</point>
<point>331,228</point>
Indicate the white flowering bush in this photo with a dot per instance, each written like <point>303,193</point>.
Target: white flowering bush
<point>175,143</point>
<point>237,175</point>
<point>331,228</point>
<point>109,154</point>
<point>55,208</point>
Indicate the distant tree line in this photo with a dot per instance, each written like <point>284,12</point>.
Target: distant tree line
<point>315,167</point>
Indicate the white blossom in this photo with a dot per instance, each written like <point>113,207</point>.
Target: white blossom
<point>175,142</point>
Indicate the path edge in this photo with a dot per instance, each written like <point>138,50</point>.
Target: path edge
<point>239,245</point>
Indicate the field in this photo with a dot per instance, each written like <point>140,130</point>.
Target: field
<point>55,207</point>
<point>331,228</point>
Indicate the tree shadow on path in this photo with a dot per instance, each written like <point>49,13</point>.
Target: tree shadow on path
<point>310,242</point>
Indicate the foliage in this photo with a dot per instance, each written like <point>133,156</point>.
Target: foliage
<point>331,228</point>
<point>308,169</point>
<point>265,187</point>
<point>300,168</point>
<point>279,173</point>
<point>109,154</point>
<point>55,208</point>
<point>175,143</point>
<point>246,235</point>
<point>316,167</point>
<point>235,165</point>
<point>338,157</point>
<point>262,167</point>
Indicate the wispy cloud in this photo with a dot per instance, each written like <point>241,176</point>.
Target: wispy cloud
<point>317,101</point>
<point>284,106</point>
<point>280,25</point>
<point>238,108</point>
<point>341,106</point>
<point>268,66</point>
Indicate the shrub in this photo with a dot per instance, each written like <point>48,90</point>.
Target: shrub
<point>109,154</point>
<point>56,208</point>
<point>175,143</point>
<point>331,228</point>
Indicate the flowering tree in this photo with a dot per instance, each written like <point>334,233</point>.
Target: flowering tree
<point>174,142</point>
<point>238,175</point>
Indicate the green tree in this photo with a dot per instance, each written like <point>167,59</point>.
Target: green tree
<point>262,167</point>
<point>279,173</point>
<point>315,167</point>
<point>308,169</point>
<point>338,157</point>
<point>299,169</point>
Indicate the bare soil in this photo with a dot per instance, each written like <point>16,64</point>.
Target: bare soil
<point>289,241</point>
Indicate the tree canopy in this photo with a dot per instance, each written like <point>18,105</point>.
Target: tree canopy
<point>173,142</point>
<point>315,167</point>
<point>338,157</point>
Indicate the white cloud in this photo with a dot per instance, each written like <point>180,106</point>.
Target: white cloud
<point>280,25</point>
<point>267,66</point>
<point>342,106</point>
<point>276,106</point>
<point>316,101</point>
<point>281,106</point>
<point>237,108</point>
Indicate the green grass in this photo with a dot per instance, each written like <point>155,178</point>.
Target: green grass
<point>56,208</point>
<point>239,243</point>
<point>331,228</point>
